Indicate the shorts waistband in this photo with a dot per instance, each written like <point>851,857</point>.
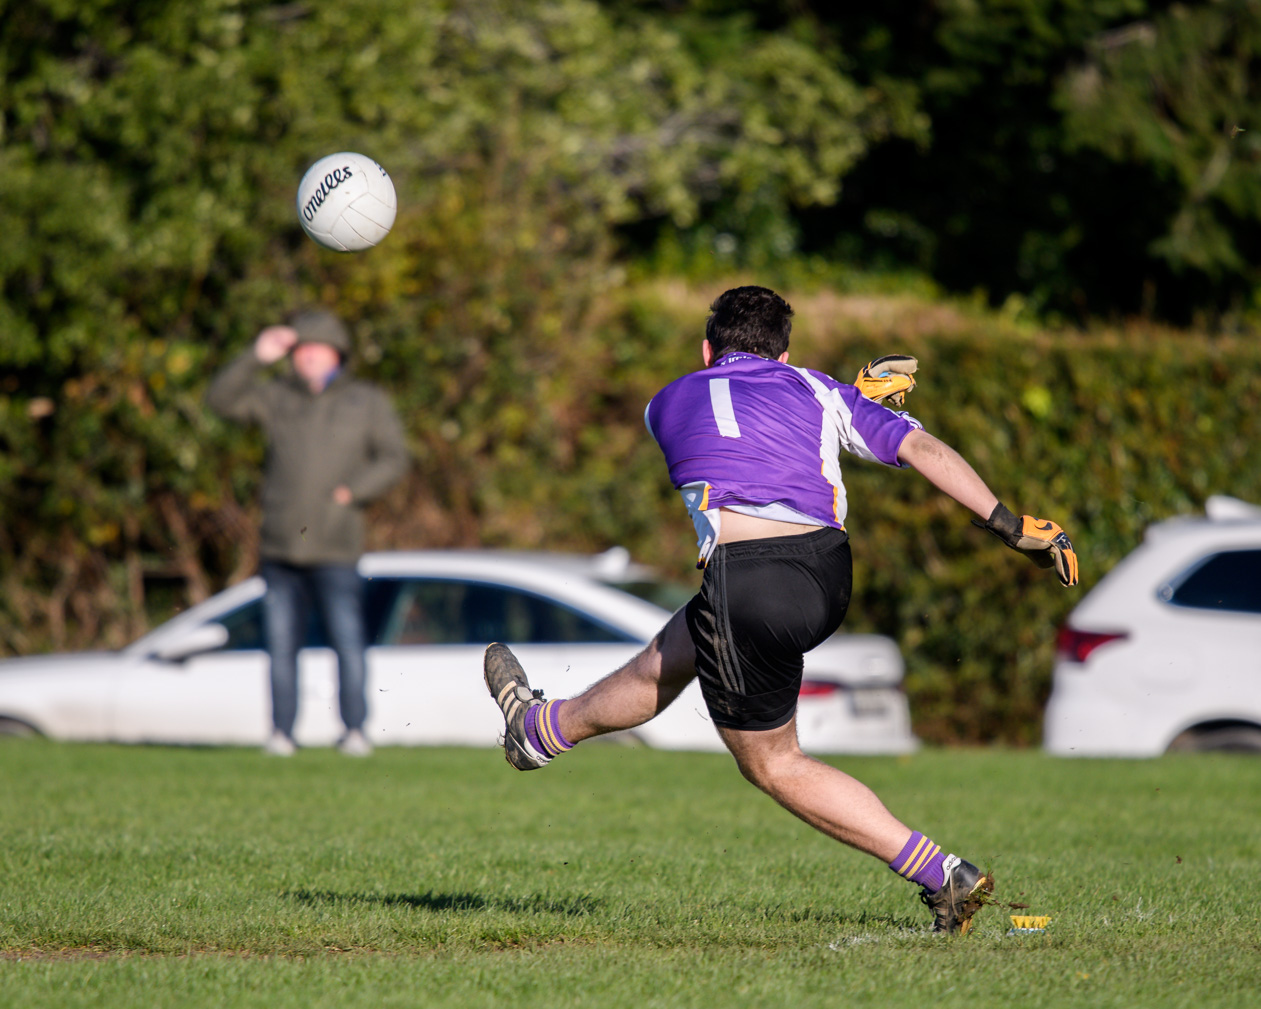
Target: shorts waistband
<point>795,545</point>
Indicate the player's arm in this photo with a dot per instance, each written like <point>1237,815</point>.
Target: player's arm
<point>948,471</point>
<point>1041,540</point>
<point>237,392</point>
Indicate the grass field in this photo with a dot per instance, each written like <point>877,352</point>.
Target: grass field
<point>617,877</point>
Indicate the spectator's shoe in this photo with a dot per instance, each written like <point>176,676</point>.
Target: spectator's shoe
<point>965,891</point>
<point>279,745</point>
<point>354,744</point>
<point>507,683</point>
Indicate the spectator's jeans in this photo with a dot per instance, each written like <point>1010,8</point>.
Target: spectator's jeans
<point>337,591</point>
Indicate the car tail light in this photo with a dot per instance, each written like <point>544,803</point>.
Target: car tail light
<point>819,688</point>
<point>1073,645</point>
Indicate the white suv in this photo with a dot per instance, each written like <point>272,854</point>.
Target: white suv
<point>1165,652</point>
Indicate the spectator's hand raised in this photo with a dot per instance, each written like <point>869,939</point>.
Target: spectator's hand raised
<point>274,342</point>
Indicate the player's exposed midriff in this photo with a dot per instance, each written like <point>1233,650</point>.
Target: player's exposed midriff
<point>737,526</point>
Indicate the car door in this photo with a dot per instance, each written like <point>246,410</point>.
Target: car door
<point>217,697</point>
<point>425,668</point>
<point>223,696</point>
<point>1206,648</point>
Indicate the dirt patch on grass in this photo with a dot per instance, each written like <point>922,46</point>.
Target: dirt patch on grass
<point>90,954</point>
<point>46,955</point>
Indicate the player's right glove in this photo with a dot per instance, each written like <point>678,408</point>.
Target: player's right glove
<point>887,379</point>
<point>1041,540</point>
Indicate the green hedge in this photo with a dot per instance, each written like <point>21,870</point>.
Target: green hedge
<point>1105,432</point>
<point>536,440</point>
<point>1102,432</point>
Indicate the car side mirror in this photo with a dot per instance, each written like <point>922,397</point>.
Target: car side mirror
<point>204,638</point>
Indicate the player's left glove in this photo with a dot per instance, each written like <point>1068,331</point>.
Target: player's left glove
<point>887,379</point>
<point>1041,540</point>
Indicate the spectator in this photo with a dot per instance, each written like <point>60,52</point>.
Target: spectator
<point>334,445</point>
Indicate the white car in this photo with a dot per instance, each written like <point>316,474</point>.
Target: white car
<point>201,678</point>
<point>1165,652</point>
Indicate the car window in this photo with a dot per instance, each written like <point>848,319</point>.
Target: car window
<point>245,623</point>
<point>456,612</point>
<point>442,612</point>
<point>667,595</point>
<point>246,633</point>
<point>1227,581</point>
<point>245,628</point>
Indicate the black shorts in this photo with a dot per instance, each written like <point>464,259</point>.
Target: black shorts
<point>762,605</point>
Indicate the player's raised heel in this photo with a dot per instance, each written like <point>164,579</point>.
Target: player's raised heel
<point>507,683</point>
<point>965,891</point>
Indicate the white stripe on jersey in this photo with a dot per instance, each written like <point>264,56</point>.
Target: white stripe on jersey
<point>835,407</point>
<point>836,429</point>
<point>724,412</point>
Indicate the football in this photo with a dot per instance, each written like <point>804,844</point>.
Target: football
<point>346,202</point>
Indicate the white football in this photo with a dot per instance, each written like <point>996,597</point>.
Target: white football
<point>346,202</point>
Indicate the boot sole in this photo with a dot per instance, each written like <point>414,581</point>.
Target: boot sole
<point>509,671</point>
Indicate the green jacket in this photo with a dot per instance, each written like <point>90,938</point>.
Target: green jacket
<point>348,434</point>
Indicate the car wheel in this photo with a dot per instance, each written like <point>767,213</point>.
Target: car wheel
<point>12,727</point>
<point>1226,739</point>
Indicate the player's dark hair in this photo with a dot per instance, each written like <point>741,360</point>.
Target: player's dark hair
<point>755,320</point>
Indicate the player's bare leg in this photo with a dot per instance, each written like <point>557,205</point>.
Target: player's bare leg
<point>845,809</point>
<point>823,796</point>
<point>826,798</point>
<point>638,691</point>
<point>536,730</point>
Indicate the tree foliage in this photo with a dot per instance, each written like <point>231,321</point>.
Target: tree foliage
<point>151,153</point>
<point>1081,155</point>
<point>1176,94</point>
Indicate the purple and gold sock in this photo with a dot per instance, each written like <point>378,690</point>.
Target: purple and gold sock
<point>920,861</point>
<point>542,728</point>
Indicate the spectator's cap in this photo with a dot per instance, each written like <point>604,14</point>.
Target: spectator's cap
<point>321,326</point>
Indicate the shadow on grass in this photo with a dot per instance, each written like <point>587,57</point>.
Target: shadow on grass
<point>835,918</point>
<point>448,902</point>
<point>582,906</point>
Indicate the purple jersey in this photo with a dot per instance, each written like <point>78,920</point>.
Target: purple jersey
<point>764,438</point>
